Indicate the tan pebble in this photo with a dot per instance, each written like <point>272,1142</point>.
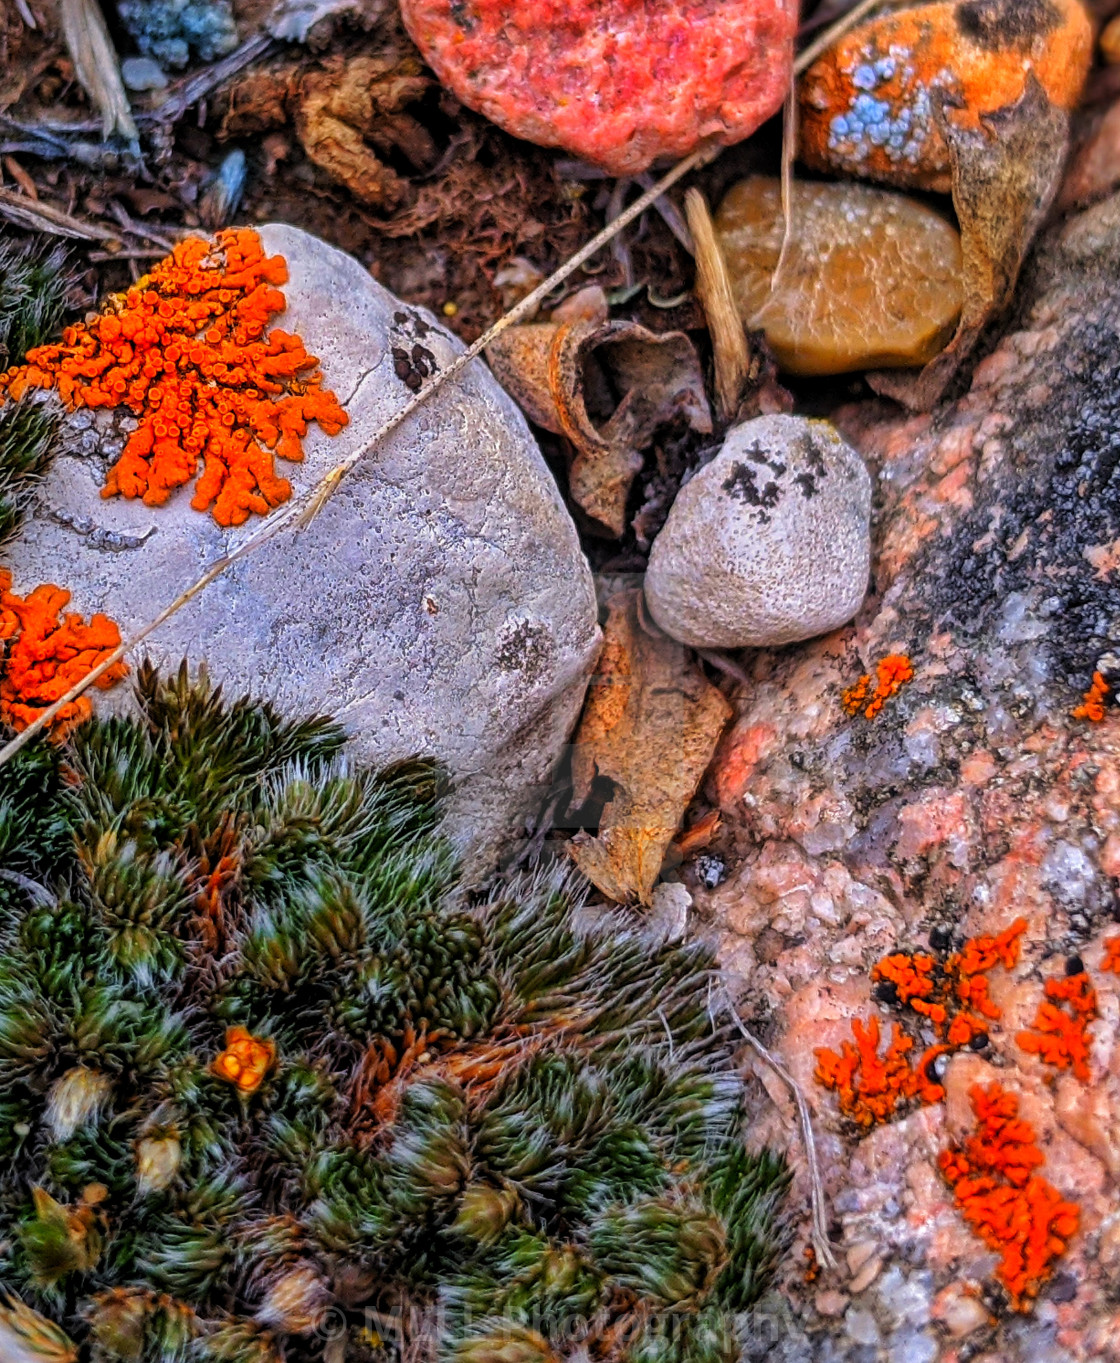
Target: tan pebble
<point>961,1313</point>
<point>866,1276</point>
<point>1110,42</point>
<point>830,1302</point>
<point>870,279</point>
<point>859,1253</point>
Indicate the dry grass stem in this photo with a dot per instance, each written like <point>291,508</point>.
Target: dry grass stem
<point>713,287</point>
<point>96,65</point>
<point>819,1230</point>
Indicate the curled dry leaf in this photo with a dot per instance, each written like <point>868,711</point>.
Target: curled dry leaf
<point>1004,181</point>
<point>606,386</point>
<point>650,726</point>
<point>348,115</point>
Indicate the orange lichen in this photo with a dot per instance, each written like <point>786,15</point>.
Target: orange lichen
<point>1061,1033</point>
<point>48,652</point>
<point>185,351</point>
<point>1111,955</point>
<point>870,1086</point>
<point>1016,1213</point>
<point>1092,707</point>
<point>892,673</point>
<point>245,1061</point>
<point>950,995</point>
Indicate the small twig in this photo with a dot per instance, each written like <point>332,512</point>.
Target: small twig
<point>25,14</point>
<point>41,217</point>
<point>789,152</point>
<point>819,1226</point>
<point>137,230</point>
<point>722,663</point>
<point>302,510</point>
<point>189,91</point>
<point>39,893</point>
<point>125,255</point>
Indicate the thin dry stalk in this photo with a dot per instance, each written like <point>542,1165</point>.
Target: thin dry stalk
<point>303,509</point>
<point>40,217</point>
<point>96,66</point>
<point>819,1227</point>
<point>713,287</point>
<point>789,152</point>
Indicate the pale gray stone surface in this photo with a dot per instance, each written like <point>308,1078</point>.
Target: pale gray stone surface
<point>440,603</point>
<point>768,543</point>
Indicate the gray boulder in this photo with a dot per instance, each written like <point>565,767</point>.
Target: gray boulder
<point>439,603</point>
<point>767,544</point>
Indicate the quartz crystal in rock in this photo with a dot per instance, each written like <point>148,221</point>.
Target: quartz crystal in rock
<point>870,279</point>
<point>617,82</point>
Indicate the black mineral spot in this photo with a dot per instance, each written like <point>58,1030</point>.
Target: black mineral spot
<point>742,486</point>
<point>1075,965</point>
<point>1000,25</point>
<point>886,991</point>
<point>979,1041</point>
<point>940,938</point>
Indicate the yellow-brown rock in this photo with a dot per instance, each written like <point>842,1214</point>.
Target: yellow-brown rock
<point>870,279</point>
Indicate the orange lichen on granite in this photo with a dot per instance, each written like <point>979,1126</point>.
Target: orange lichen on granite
<point>1092,707</point>
<point>47,652</point>
<point>185,351</point>
<point>245,1061</point>
<point>1060,1034</point>
<point>1018,1214</point>
<point>1111,955</point>
<point>892,673</point>
<point>949,995</point>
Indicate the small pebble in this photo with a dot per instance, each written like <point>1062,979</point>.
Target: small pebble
<point>866,1276</point>
<point>859,1254</point>
<point>870,279</point>
<point>1110,42</point>
<point>830,1302</point>
<point>768,543</point>
<point>142,73</point>
<point>861,1327</point>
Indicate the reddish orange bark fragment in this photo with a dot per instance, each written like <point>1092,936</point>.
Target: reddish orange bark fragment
<point>185,351</point>
<point>47,653</point>
<point>245,1061</point>
<point>1016,1213</point>
<point>1061,1035</point>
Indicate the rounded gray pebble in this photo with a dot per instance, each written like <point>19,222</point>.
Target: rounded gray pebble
<point>769,543</point>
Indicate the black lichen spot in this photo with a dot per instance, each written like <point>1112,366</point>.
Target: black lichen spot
<point>743,487</point>
<point>526,649</point>
<point>413,367</point>
<point>1000,25</point>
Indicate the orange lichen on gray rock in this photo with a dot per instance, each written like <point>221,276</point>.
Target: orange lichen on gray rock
<point>185,351</point>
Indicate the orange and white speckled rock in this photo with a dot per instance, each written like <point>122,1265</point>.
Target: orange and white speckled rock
<point>873,105</point>
<point>617,82</point>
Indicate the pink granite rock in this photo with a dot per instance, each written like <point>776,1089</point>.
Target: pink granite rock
<point>617,82</point>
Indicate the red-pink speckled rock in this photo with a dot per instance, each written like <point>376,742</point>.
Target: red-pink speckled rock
<point>617,82</point>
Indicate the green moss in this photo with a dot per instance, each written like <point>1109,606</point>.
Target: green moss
<point>34,281</point>
<point>490,1126</point>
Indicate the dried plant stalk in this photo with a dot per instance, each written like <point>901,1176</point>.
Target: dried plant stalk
<point>96,65</point>
<point>713,287</point>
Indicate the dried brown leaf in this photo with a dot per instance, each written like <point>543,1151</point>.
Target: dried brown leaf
<point>566,375</point>
<point>650,726</point>
<point>1004,181</point>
